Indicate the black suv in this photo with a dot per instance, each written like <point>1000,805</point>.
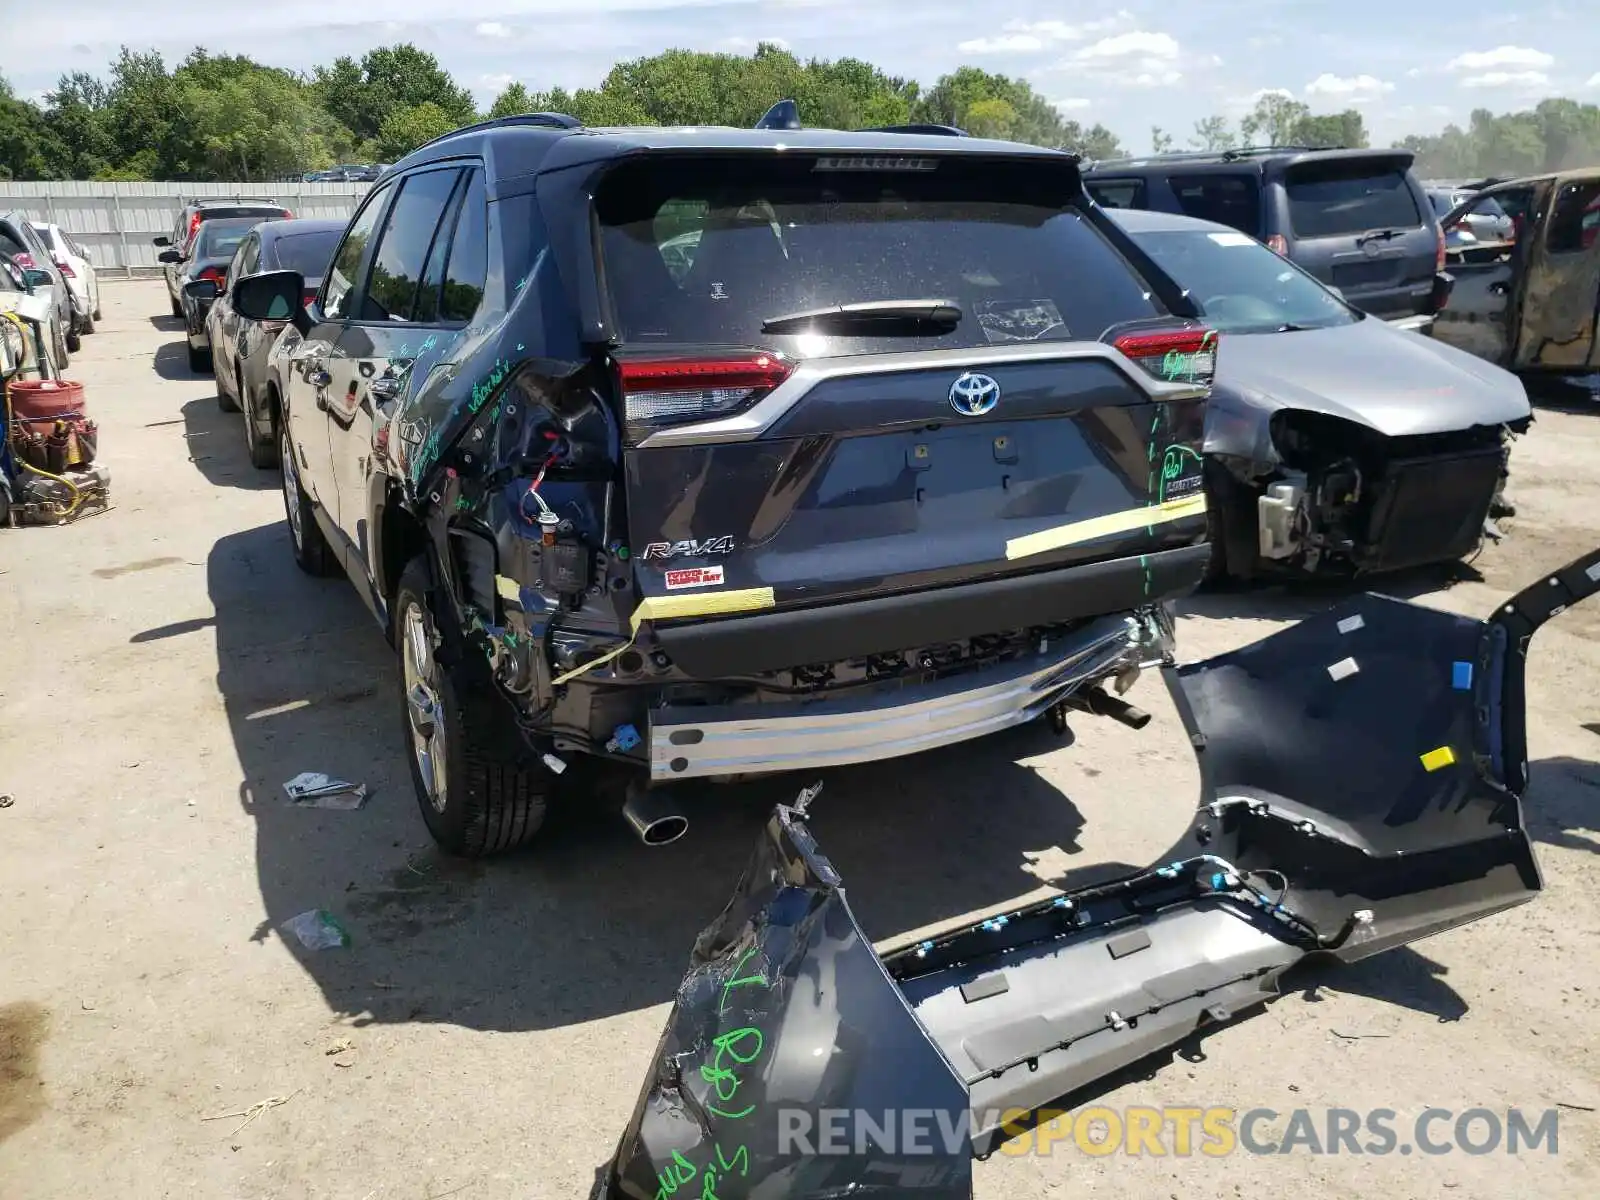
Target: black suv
<point>716,452</point>
<point>190,217</point>
<point>1358,220</point>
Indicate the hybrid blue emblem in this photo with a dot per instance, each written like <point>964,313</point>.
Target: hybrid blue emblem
<point>972,394</point>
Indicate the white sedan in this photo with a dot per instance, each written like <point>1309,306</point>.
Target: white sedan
<point>72,260</point>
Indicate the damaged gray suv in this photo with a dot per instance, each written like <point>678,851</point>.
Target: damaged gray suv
<point>705,453</point>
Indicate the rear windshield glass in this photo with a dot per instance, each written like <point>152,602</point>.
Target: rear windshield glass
<point>703,250</point>
<point>308,253</point>
<point>1331,200</point>
<point>1242,286</point>
<point>219,239</point>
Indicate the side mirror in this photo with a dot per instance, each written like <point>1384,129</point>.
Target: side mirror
<point>272,296</point>
<point>37,278</point>
<point>169,256</point>
<point>161,241</point>
<point>201,289</point>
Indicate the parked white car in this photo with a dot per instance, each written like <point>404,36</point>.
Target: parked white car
<point>72,260</point>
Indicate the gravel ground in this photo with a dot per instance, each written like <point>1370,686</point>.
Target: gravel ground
<point>167,668</point>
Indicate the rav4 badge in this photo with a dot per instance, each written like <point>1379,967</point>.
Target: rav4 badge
<point>689,548</point>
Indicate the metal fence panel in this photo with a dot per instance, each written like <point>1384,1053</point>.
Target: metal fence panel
<point>115,222</point>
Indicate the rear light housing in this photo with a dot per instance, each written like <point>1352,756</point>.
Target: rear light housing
<point>194,223</point>
<point>24,260</point>
<point>660,391</point>
<point>1173,355</point>
<point>216,274</point>
<point>1440,257</point>
<point>1278,244</point>
<point>65,268</point>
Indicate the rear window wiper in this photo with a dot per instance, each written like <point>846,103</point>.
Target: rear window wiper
<point>1375,235</point>
<point>887,318</point>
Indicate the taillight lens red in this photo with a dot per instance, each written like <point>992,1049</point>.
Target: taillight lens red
<point>194,223</point>
<point>1278,244</point>
<point>24,260</point>
<point>659,391</point>
<point>66,268</point>
<point>1174,356</point>
<point>216,274</point>
<point>1440,257</point>
<point>287,215</point>
<point>308,296</point>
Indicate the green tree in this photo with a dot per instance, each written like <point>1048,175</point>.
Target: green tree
<point>1275,120</point>
<point>1213,133</point>
<point>512,101</point>
<point>28,147</point>
<point>1346,128</point>
<point>389,80</point>
<point>407,128</point>
<point>257,125</point>
<point>1160,140</point>
<point>76,113</point>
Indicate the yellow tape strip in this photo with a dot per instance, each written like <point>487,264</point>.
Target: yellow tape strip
<point>1118,522</point>
<point>672,608</point>
<point>1437,760</point>
<point>508,588</point>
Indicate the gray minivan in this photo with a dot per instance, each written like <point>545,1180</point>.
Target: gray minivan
<point>1358,220</point>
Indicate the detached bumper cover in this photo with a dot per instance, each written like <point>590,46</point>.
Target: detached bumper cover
<point>699,740</point>
<point>1361,788</point>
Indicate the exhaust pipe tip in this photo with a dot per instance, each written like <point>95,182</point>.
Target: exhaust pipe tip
<point>653,817</point>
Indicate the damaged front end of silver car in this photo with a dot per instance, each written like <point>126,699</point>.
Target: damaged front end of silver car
<point>1361,783</point>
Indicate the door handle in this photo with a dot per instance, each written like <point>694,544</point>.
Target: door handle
<point>386,388</point>
<point>1500,288</point>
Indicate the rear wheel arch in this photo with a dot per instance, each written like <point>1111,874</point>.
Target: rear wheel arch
<point>402,537</point>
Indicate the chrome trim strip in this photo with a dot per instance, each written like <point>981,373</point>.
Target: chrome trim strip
<point>891,721</point>
<point>766,412</point>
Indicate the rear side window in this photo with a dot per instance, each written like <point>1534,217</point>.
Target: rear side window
<point>468,264</point>
<point>404,244</point>
<point>703,250</point>
<point>1232,200</point>
<point>1575,218</point>
<point>1117,193</point>
<point>1337,199</point>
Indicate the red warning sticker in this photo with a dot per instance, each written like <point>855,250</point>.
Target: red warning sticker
<point>694,577</point>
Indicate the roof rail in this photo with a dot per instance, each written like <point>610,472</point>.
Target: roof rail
<point>1247,151</point>
<point>547,120</point>
<point>937,130</point>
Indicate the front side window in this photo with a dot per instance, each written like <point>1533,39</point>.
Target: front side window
<point>713,250</point>
<point>341,279</point>
<point>1243,287</point>
<point>408,235</point>
<point>1575,218</point>
<point>1232,200</point>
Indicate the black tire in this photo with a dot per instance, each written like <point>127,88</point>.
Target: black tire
<point>226,402</point>
<point>86,325</point>
<point>63,358</point>
<point>489,801</point>
<point>263,451</point>
<point>74,339</point>
<point>1230,528</point>
<point>177,309</point>
<point>199,361</point>
<point>312,553</point>
<point>97,315</point>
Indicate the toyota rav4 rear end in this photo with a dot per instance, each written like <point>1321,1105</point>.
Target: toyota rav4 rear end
<point>816,448</point>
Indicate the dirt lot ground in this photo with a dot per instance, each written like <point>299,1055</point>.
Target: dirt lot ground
<point>167,668</point>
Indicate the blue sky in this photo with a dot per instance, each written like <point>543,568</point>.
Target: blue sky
<point>1130,64</point>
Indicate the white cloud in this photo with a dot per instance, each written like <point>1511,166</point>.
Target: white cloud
<point>1353,89</point>
<point>1150,79</point>
<point>497,83</point>
<point>1022,37</point>
<point>1071,103</point>
<point>1500,79</point>
<point>1126,45</point>
<point>1594,81</point>
<point>492,29</point>
<point>1500,57</point>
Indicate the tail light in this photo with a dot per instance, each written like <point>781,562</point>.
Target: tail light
<point>65,268</point>
<point>1173,356</point>
<point>1278,244</point>
<point>307,296</point>
<point>24,260</point>
<point>194,223</point>
<point>215,274</point>
<point>287,215</point>
<point>665,391</point>
<point>1439,256</point>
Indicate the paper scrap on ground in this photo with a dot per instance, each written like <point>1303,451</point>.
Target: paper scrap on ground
<point>313,789</point>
